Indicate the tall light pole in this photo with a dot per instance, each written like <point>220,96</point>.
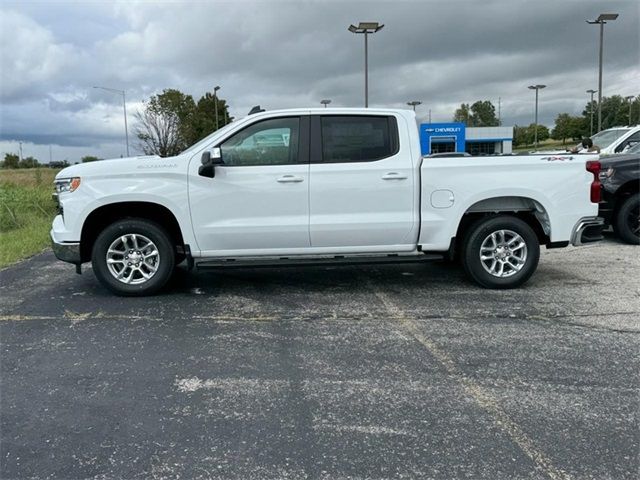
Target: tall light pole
<point>414,104</point>
<point>124,106</point>
<point>366,28</point>
<point>325,102</point>
<point>601,20</point>
<point>591,91</point>
<point>628,99</point>
<point>215,102</point>
<point>536,88</point>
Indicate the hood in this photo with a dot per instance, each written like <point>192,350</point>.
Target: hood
<point>121,166</point>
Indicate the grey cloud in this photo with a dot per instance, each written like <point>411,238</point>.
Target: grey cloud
<point>289,53</point>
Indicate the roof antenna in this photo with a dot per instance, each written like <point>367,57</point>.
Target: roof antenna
<point>256,109</point>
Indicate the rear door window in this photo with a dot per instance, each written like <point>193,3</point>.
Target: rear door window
<point>360,138</point>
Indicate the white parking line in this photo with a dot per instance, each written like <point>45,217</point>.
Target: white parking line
<point>500,418</point>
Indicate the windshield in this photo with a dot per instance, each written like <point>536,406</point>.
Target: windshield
<point>197,146</point>
<point>607,137</point>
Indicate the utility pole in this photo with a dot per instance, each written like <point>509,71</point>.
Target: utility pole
<point>20,149</point>
<point>536,88</point>
<point>499,119</point>
<point>628,99</point>
<point>366,28</point>
<point>414,104</point>
<point>215,102</point>
<point>601,20</point>
<point>429,115</point>
<point>591,91</point>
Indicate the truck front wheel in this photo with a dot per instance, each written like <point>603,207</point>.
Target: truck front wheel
<point>627,221</point>
<point>133,257</point>
<point>500,252</point>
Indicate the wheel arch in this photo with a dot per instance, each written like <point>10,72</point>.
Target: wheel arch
<point>105,215</point>
<point>527,209</point>
<point>626,190</point>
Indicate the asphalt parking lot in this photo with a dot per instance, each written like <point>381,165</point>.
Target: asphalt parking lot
<point>403,371</point>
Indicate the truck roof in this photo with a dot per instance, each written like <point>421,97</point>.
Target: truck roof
<point>339,110</point>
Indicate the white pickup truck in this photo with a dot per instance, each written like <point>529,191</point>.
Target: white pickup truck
<point>316,186</point>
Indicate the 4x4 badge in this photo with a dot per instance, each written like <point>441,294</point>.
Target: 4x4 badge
<point>556,159</point>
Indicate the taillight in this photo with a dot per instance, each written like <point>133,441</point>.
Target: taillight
<point>594,167</point>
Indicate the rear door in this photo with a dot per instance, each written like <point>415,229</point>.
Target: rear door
<point>361,191</point>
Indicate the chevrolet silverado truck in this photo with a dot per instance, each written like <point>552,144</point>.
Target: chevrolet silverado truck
<point>321,186</point>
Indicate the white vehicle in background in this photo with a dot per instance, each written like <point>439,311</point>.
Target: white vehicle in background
<point>321,186</point>
<point>615,140</point>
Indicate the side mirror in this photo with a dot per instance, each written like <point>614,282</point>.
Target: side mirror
<point>209,159</point>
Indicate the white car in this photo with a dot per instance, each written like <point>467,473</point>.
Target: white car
<point>616,140</point>
<point>338,186</point>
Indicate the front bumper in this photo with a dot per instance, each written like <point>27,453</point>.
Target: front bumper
<point>587,230</point>
<point>66,251</point>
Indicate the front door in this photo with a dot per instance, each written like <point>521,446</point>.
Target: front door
<point>258,199</point>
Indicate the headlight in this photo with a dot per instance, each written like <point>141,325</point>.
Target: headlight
<point>67,184</point>
<point>608,173</point>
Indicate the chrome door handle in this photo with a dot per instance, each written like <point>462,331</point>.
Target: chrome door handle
<point>290,179</point>
<point>394,176</point>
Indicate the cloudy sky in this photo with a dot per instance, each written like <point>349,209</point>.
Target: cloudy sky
<point>283,54</point>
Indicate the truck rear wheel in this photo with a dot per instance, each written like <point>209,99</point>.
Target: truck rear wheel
<point>500,252</point>
<point>133,257</point>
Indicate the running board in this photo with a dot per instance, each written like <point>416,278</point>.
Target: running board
<point>337,260</point>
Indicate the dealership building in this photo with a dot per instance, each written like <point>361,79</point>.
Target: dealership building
<point>457,137</point>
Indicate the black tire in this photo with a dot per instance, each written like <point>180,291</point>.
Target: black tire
<point>627,221</point>
<point>525,259</point>
<point>144,229</point>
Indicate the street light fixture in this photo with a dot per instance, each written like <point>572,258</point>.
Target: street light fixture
<point>366,28</point>
<point>325,102</point>
<point>628,98</point>
<point>215,102</point>
<point>601,20</point>
<point>124,106</point>
<point>414,104</point>
<point>536,88</point>
<point>591,91</point>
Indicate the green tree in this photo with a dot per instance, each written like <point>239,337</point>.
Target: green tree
<point>615,112</point>
<point>11,160</point>
<point>462,114</point>
<point>526,135</point>
<point>172,121</point>
<point>166,123</point>
<point>579,128</point>
<point>204,121</point>
<point>89,158</point>
<point>28,162</point>
<point>481,114</point>
<point>519,135</point>
<point>567,126</point>
<point>484,114</point>
<point>561,130</point>
<point>543,133</point>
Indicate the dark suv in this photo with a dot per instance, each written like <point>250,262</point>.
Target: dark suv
<point>620,205</point>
